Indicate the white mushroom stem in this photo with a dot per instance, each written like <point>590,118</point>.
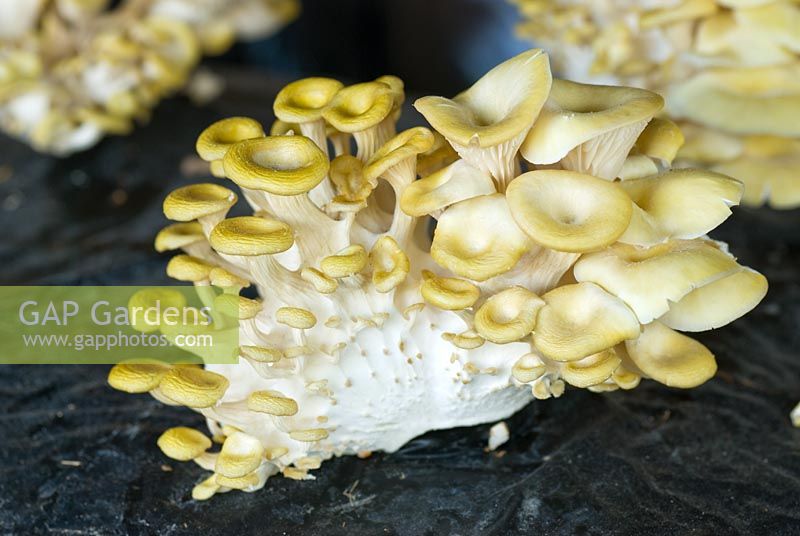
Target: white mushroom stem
<point>399,176</point>
<point>370,140</point>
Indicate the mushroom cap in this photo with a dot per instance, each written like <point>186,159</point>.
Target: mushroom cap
<point>138,377</point>
<point>407,144</point>
<point>580,320</point>
<point>304,100</point>
<point>236,306</point>
<point>660,139</point>
<point>250,236</point>
<point>648,279</point>
<point>158,297</point>
<point>183,444</point>
<point>717,303</point>
<point>282,128</point>
<point>390,264</point>
<point>272,403</point>
<point>568,211</point>
<point>449,293</point>
<point>281,165</point>
<point>296,317</point>
<point>682,203</point>
<point>767,178</point>
<point>528,368</point>
<point>477,238</point>
<point>193,387</point>
<point>347,262</point>
<point>671,358</point>
<point>591,370</point>
<point>454,183</point>
<point>347,174</point>
<point>503,104</point>
<point>441,154</point>
<point>214,141</point>
<point>508,316</point>
<point>188,268</point>
<point>241,454</point>
<point>188,203</point>
<point>321,282</point>
<point>575,113</point>
<point>360,106</point>
<point>178,235</point>
<point>261,354</point>
<point>220,277</point>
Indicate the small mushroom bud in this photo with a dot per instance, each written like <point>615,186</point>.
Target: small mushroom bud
<point>183,444</point>
<point>449,293</point>
<point>137,377</point>
<point>349,261</point>
<point>272,403</point>
<point>188,268</point>
<point>193,387</point>
<point>454,183</point>
<point>241,454</point>
<point>390,265</point>
<point>508,316</point>
<point>296,317</point>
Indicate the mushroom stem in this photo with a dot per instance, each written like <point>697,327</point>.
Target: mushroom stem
<point>370,140</point>
<point>322,193</point>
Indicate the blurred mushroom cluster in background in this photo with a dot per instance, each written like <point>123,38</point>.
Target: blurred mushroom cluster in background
<point>728,69</point>
<point>72,71</point>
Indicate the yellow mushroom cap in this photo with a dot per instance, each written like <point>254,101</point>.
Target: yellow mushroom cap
<point>138,377</point>
<point>188,268</point>
<point>407,144</point>
<point>206,489</point>
<point>717,303</point>
<point>454,183</point>
<point>580,320</point>
<point>591,370</point>
<point>183,444</point>
<point>178,235</point>
<point>346,262</point>
<point>503,104</point>
<point>250,236</point>
<point>214,141</point>
<point>282,128</point>
<point>272,403</point>
<point>281,165</point>
<point>660,139</point>
<point>220,277</point>
<point>347,174</point>
<point>360,106</point>
<point>648,279</point>
<point>237,306</point>
<point>296,317</point>
<point>449,293</point>
<point>684,203</point>
<point>477,238</point>
<point>671,358</point>
<point>193,387</point>
<point>261,354</point>
<point>508,316</point>
<point>304,100</point>
<point>528,368</point>
<point>390,264</point>
<point>241,454</point>
<point>197,200</point>
<point>311,435</point>
<point>440,154</point>
<point>568,211</point>
<point>242,482</point>
<point>575,113</point>
<point>321,282</point>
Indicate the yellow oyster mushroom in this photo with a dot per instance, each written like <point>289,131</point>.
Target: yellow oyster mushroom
<point>718,303</point>
<point>486,123</point>
<point>440,155</point>
<point>390,264</point>
<point>774,179</point>
<point>272,403</point>
<point>183,444</point>
<point>220,277</point>
<point>207,203</point>
<point>528,368</point>
<point>188,268</point>
<point>363,110</point>
<point>178,235</point>
<point>280,165</point>
<point>648,279</point>
<point>396,159</point>
<point>250,236</point>
<point>321,282</point>
<point>568,211</point>
<point>349,261</point>
<point>508,316</point>
<point>237,306</point>
<point>215,140</point>
<point>684,203</point>
<point>241,454</point>
<point>137,377</point>
<point>671,358</point>
<point>303,101</point>
<point>661,139</point>
<point>296,317</point>
<point>591,370</point>
<point>580,320</point>
<point>352,187</point>
<point>589,128</point>
<point>449,293</point>
<point>477,238</point>
<point>193,387</point>
<point>439,190</point>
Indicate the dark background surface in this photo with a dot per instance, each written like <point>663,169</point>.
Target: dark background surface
<point>721,459</point>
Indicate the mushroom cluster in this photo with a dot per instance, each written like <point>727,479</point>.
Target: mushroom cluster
<point>729,70</point>
<point>72,71</point>
<point>564,252</point>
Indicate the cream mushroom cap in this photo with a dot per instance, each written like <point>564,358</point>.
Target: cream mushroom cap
<point>508,316</point>
<point>591,370</point>
<point>304,100</point>
<point>241,454</point>
<point>281,165</point>
<point>390,264</point>
<point>568,211</point>
<point>671,358</point>
<point>503,104</point>
<point>660,139</point>
<point>576,113</point>
<point>193,387</point>
<point>178,235</point>
<point>197,200</point>
<point>250,236</point>
<point>648,279</point>
<point>214,141</point>
<point>580,320</point>
<point>137,377</point>
<point>188,268</point>
<point>360,106</point>
<point>718,303</point>
<point>477,238</point>
<point>183,444</point>
<point>454,183</point>
<point>407,144</point>
<point>449,293</point>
